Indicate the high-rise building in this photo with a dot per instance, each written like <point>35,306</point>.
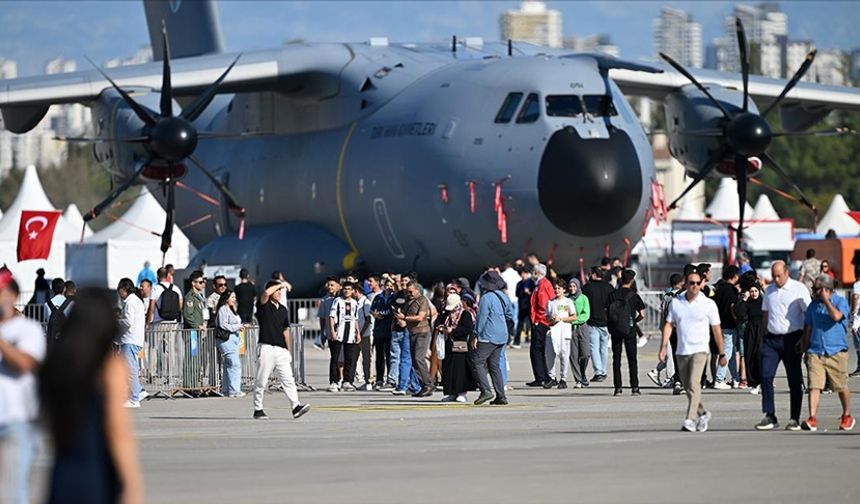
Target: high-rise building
<point>8,69</point>
<point>831,67</point>
<point>795,53</point>
<point>676,34</point>
<point>592,44</point>
<point>854,71</point>
<point>766,28</point>
<point>534,23</point>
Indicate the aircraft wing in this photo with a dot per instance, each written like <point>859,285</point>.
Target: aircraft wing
<point>301,71</point>
<point>806,99</point>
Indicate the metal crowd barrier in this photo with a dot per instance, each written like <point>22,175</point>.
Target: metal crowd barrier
<point>185,362</point>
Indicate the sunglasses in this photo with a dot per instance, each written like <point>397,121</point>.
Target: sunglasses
<point>694,283</point>
<point>220,285</point>
<point>199,281</point>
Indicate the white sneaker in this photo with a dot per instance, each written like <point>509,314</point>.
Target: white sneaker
<point>238,394</point>
<point>755,390</point>
<point>333,388</point>
<point>735,384</point>
<point>669,383</point>
<point>702,423</point>
<point>654,375</point>
<point>722,386</point>
<point>688,425</point>
<point>367,387</point>
<point>643,340</point>
<point>462,398</point>
<point>131,404</point>
<point>143,395</point>
<point>348,387</point>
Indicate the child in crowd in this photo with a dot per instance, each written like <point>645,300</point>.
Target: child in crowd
<point>560,312</point>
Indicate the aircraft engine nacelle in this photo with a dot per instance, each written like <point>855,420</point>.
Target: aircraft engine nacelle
<point>306,253</point>
<point>113,119</point>
<point>690,115</point>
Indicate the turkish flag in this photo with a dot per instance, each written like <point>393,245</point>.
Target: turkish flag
<point>35,234</point>
<point>855,215</point>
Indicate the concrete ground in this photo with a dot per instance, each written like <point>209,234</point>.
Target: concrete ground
<point>546,446</point>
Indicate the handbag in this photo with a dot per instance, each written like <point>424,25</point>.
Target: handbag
<point>221,334</point>
<point>459,346</point>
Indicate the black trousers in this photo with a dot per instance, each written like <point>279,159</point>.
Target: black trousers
<point>537,352</point>
<point>628,342</point>
<point>350,358</point>
<point>382,342</point>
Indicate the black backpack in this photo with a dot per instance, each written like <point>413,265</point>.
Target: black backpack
<point>57,319</point>
<point>168,304</point>
<point>620,315</point>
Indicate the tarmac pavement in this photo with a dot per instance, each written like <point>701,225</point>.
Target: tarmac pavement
<point>546,446</point>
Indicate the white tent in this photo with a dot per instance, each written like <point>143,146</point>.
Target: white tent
<point>837,219</point>
<point>31,196</point>
<point>764,209</point>
<point>690,209</point>
<point>724,206</point>
<point>75,221</point>
<point>120,249</point>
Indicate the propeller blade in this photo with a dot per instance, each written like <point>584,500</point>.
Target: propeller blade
<point>804,67</point>
<point>820,133</point>
<point>706,170</point>
<point>98,209</point>
<point>202,135</point>
<point>166,87</point>
<point>167,235</point>
<point>745,60</point>
<point>741,165</point>
<point>139,139</point>
<point>139,111</point>
<point>223,189</point>
<point>765,157</point>
<point>705,132</point>
<point>193,111</point>
<point>677,66</point>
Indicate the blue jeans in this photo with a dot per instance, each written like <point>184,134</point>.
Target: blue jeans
<point>17,446</point>
<point>599,337</point>
<point>231,377</point>
<point>130,352</point>
<point>503,362</point>
<point>729,350</point>
<point>401,363</point>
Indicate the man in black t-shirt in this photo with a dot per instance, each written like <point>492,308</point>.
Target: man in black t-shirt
<point>625,338</point>
<point>246,296</point>
<point>726,295</point>
<point>274,348</point>
<point>597,290</point>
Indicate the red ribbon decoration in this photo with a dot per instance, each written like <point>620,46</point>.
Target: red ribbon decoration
<point>581,267</point>
<point>443,189</point>
<point>504,227</point>
<point>606,250</point>
<point>626,251</point>
<point>472,196</point>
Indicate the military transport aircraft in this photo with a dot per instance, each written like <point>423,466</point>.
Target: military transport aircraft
<point>313,158</point>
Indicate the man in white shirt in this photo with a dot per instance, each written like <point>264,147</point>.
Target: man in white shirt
<point>132,323</point>
<point>784,308</point>
<point>22,348</point>
<point>694,316</point>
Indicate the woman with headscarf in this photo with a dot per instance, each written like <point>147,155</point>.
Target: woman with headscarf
<point>457,326</point>
<point>580,343</point>
<point>748,311</point>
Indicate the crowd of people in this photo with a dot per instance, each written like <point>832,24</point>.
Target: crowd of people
<point>730,334</point>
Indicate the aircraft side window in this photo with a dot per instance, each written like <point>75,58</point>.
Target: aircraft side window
<point>599,105</point>
<point>530,111</point>
<point>563,106</point>
<point>509,106</point>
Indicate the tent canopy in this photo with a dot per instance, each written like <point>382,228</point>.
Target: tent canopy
<point>764,209</point>
<point>837,219</point>
<point>724,206</point>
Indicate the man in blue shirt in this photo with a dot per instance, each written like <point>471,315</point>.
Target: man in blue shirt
<point>146,274</point>
<point>825,341</point>
<point>495,313</point>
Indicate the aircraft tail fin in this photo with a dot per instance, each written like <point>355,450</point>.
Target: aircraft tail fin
<point>194,27</point>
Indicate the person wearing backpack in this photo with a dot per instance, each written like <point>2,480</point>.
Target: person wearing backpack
<point>166,302</point>
<point>57,309</point>
<point>624,309</point>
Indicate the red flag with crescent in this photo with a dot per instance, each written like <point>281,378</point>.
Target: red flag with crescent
<point>35,234</point>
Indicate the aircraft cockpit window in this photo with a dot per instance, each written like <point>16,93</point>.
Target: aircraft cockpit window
<point>530,111</point>
<point>599,105</point>
<point>563,106</point>
<point>509,106</point>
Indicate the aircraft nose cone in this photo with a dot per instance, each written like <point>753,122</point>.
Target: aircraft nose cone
<point>589,187</point>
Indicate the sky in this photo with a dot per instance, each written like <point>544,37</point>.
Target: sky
<point>33,32</point>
